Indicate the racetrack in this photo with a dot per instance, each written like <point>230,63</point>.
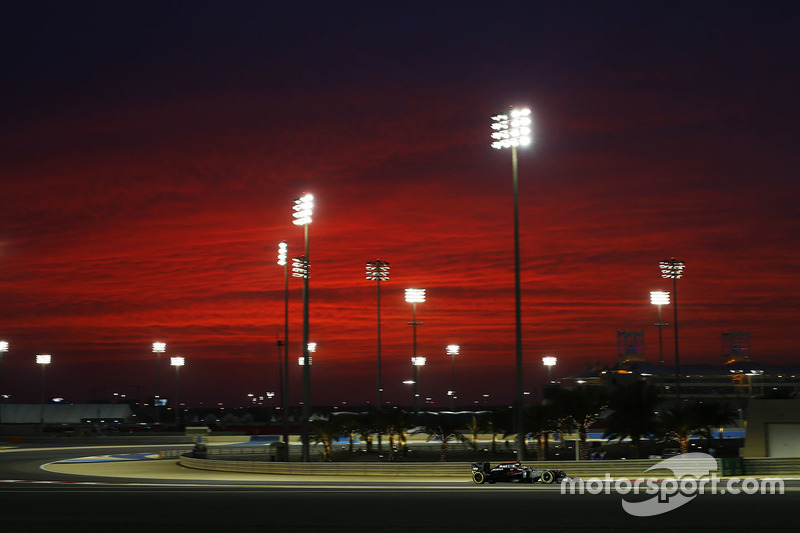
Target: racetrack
<point>159,495</point>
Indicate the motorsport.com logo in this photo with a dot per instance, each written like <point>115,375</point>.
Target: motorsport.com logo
<point>693,474</point>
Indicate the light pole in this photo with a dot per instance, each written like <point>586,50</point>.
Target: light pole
<point>510,130</point>
<point>312,348</point>
<point>673,269</point>
<point>659,298</point>
<point>283,252</point>
<point>417,362</point>
<point>452,351</point>
<point>177,362</point>
<point>549,361</point>
<point>415,296</point>
<point>378,271</point>
<point>3,350</point>
<point>158,349</point>
<point>303,209</point>
<point>43,360</point>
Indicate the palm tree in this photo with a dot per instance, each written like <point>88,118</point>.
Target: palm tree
<point>325,432</point>
<point>581,406</point>
<point>679,424</point>
<point>540,420</point>
<point>633,415</point>
<point>394,423</point>
<point>445,428</point>
<point>368,424</point>
<point>474,425</point>
<point>498,422</point>
<point>709,415</point>
<point>348,425</point>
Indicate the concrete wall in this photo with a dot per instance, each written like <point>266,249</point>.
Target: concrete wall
<point>772,429</point>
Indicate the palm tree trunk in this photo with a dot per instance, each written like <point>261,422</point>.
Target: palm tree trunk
<point>583,451</point>
<point>443,456</point>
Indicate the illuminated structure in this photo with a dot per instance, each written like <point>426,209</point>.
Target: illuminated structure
<point>511,129</point>
<point>3,350</point>
<point>415,296</point>
<point>452,351</point>
<point>378,271</point>
<point>673,269</point>
<point>177,362</point>
<point>283,254</point>
<point>659,298</point>
<point>549,361</point>
<point>303,209</point>
<point>43,360</point>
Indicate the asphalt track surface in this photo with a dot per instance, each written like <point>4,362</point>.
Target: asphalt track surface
<point>42,490</point>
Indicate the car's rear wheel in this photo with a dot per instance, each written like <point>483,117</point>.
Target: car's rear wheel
<point>548,477</point>
<point>479,478</point>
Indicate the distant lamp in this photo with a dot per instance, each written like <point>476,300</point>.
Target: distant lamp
<point>549,361</point>
<point>659,298</point>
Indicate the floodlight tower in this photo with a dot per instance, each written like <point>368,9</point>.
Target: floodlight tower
<point>177,362</point>
<point>283,253</point>
<point>42,360</point>
<point>512,129</point>
<point>303,209</point>
<point>549,361</point>
<point>659,298</point>
<point>378,271</point>
<point>158,349</point>
<point>673,269</point>
<point>3,350</point>
<point>414,297</point>
<point>452,351</point>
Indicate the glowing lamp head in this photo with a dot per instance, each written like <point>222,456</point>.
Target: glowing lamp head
<point>312,347</point>
<point>415,296</point>
<point>303,209</point>
<point>378,270</point>
<point>418,361</point>
<point>300,267</point>
<point>302,360</point>
<point>177,361</point>
<point>283,249</point>
<point>3,346</point>
<point>453,349</point>
<point>672,268</point>
<point>159,347</point>
<point>43,359</point>
<point>549,361</point>
<point>659,297</point>
<point>512,128</point>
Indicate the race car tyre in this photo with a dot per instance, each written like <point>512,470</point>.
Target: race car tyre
<point>548,477</point>
<point>479,478</point>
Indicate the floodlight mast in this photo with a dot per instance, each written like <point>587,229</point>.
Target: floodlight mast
<point>511,129</point>
<point>3,349</point>
<point>378,271</point>
<point>283,253</point>
<point>42,360</point>
<point>415,296</point>
<point>452,351</point>
<point>673,269</point>
<point>659,298</point>
<point>303,210</point>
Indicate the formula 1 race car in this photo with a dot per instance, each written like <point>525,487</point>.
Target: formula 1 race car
<point>515,473</point>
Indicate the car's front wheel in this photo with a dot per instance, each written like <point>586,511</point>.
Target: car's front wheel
<point>479,478</point>
<point>548,477</point>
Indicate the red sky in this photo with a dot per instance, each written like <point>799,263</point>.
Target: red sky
<point>149,160</point>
